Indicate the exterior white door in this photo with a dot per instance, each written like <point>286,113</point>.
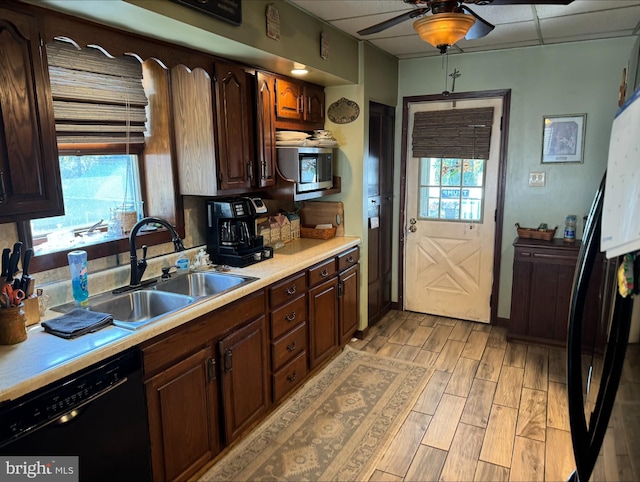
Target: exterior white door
<point>450,226</point>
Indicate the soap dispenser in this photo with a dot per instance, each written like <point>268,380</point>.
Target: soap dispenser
<point>182,262</point>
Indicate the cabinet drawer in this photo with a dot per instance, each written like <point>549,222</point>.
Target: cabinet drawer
<point>321,272</point>
<point>348,258</point>
<point>566,257</point>
<point>290,376</point>
<point>288,316</point>
<point>286,290</point>
<point>289,346</point>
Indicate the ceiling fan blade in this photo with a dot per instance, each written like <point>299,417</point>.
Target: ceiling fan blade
<point>527,2</point>
<point>478,29</point>
<point>394,21</point>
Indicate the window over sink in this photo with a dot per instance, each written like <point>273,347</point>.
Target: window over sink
<point>101,195</point>
<point>105,127</point>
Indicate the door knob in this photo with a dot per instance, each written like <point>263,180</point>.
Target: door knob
<point>413,228</point>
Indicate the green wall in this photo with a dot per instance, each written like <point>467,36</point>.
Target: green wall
<point>248,43</point>
<point>579,77</point>
<point>378,73</point>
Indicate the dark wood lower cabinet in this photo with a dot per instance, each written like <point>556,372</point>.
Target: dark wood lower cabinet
<point>323,322</point>
<point>183,417</point>
<point>209,381</point>
<point>245,389</point>
<point>541,293</point>
<point>349,302</point>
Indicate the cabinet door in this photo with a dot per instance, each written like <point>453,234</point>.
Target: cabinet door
<point>314,103</point>
<point>323,321</point>
<point>245,389</point>
<point>234,126</point>
<point>183,416</point>
<point>349,303</point>
<point>266,130</point>
<point>29,169</point>
<point>288,100</point>
<point>192,104</point>
<point>520,293</point>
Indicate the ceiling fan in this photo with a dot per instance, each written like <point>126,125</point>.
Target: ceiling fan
<point>450,21</point>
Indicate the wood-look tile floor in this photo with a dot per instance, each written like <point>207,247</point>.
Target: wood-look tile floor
<point>493,410</point>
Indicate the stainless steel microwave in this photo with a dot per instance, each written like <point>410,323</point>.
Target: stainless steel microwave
<point>311,168</point>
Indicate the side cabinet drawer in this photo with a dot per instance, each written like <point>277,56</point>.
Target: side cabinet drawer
<point>290,376</point>
<point>289,346</point>
<point>288,316</point>
<point>348,258</point>
<point>321,272</point>
<point>286,290</point>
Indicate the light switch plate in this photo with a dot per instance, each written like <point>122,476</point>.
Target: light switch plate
<point>537,179</point>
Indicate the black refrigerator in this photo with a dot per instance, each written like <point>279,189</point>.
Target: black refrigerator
<point>613,228</point>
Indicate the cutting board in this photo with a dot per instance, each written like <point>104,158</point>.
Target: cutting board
<point>323,212</point>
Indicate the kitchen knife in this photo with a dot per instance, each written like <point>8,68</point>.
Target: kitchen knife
<point>12,266</point>
<point>26,279</point>
<point>13,261</point>
<point>6,253</point>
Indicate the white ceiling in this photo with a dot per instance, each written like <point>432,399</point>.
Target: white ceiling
<point>516,25</point>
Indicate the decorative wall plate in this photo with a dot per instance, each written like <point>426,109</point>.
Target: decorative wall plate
<point>343,111</point>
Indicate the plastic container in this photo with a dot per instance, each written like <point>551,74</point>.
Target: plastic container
<point>570,228</point>
<point>79,278</point>
<point>182,263</point>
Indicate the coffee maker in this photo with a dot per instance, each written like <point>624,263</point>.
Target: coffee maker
<point>231,231</point>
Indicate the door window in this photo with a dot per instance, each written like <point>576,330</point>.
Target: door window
<point>451,189</point>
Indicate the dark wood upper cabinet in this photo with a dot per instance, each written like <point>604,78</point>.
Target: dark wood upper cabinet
<point>314,103</point>
<point>29,171</point>
<point>266,130</point>
<point>234,119</point>
<point>289,100</point>
<point>299,105</point>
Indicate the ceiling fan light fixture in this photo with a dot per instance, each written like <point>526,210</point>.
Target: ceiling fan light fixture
<point>443,29</point>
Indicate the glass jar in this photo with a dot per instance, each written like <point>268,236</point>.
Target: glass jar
<point>570,228</point>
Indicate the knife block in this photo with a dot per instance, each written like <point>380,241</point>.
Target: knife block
<point>32,310</point>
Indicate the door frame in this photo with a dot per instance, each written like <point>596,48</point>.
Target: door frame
<point>505,96</point>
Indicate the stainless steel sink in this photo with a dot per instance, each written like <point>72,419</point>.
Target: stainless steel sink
<point>203,284</point>
<point>135,309</point>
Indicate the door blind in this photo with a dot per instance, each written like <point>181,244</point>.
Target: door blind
<point>96,99</point>
<point>453,134</point>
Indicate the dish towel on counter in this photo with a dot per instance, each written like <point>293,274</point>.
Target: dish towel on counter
<point>77,322</point>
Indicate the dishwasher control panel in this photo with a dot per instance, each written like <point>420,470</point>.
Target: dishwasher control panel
<point>60,401</point>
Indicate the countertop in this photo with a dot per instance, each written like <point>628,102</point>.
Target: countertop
<point>45,358</point>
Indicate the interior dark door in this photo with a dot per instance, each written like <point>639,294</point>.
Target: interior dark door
<point>380,203</point>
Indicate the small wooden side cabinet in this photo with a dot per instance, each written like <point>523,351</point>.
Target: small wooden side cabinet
<point>541,293</point>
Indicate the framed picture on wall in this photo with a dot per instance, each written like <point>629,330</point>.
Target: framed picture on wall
<point>563,138</point>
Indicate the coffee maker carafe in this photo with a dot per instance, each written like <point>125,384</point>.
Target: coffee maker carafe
<point>231,236</point>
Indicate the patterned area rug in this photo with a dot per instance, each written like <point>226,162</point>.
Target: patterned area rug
<point>336,427</point>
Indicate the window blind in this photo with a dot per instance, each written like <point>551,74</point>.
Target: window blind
<point>96,99</point>
<point>453,134</point>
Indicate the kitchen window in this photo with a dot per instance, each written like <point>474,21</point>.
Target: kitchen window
<point>105,124</point>
<point>101,196</point>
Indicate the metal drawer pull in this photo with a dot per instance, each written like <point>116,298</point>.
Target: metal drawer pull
<point>293,376</point>
<point>292,347</point>
<point>290,317</point>
<point>350,259</point>
<point>324,273</point>
<point>292,290</point>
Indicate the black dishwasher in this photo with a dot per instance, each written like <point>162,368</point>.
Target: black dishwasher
<point>98,414</point>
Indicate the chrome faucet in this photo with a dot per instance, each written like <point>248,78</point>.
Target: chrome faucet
<point>139,265</point>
